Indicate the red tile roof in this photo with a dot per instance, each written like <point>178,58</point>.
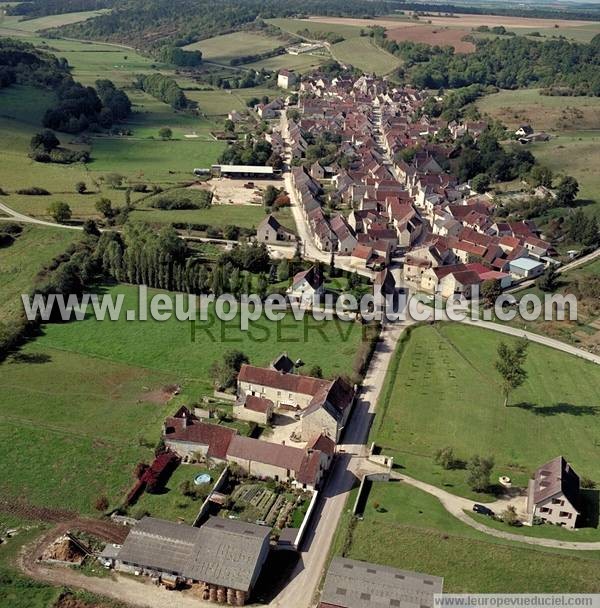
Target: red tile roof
<point>216,437</point>
<point>305,385</point>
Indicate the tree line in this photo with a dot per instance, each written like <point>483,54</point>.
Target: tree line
<point>163,88</point>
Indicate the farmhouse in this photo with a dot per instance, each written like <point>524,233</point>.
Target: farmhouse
<point>270,230</point>
<point>355,584</point>
<point>553,494</point>
<point>325,404</point>
<point>221,560</point>
<point>190,438</point>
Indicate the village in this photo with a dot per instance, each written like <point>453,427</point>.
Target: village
<point>387,207</point>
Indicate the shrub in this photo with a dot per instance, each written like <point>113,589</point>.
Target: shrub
<point>34,191</point>
<point>101,504</point>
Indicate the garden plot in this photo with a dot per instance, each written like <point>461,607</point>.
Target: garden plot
<point>267,503</point>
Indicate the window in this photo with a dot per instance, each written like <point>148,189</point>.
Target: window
<point>564,514</point>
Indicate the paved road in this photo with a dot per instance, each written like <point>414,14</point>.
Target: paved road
<point>551,342</point>
<point>299,593</point>
<point>19,217</point>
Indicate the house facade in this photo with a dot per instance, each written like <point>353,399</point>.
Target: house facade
<point>554,494</point>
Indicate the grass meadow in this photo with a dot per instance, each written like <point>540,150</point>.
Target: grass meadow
<point>222,49</point>
<point>443,390</point>
<point>363,54</point>
<point>412,530</point>
<point>20,263</point>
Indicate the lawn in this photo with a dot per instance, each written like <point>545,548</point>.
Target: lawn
<point>222,49</point>
<point>411,530</point>
<point>443,390</point>
<point>365,55</point>
<point>20,263</point>
<point>172,504</point>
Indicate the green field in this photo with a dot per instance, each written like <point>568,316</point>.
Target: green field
<point>356,50</point>
<point>411,530</point>
<point>84,394</point>
<point>168,347</point>
<point>363,54</point>
<point>222,49</point>
<point>20,263</point>
<point>443,390</point>
<point>576,33</point>
<point>301,63</point>
<point>543,112</point>
<point>69,432</point>
<point>578,154</point>
<point>219,216</point>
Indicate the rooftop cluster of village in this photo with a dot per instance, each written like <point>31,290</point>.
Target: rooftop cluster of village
<point>389,192</point>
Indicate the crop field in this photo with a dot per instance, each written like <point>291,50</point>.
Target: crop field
<point>542,112</point>
<point>433,35</point>
<point>20,263</point>
<point>458,20</point>
<point>443,391</point>
<point>222,49</point>
<point>363,54</point>
<point>411,530</point>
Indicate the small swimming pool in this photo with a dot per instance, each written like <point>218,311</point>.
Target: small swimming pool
<point>202,479</point>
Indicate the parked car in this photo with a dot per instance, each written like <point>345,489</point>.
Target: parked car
<point>483,510</point>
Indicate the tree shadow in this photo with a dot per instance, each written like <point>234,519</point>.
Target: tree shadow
<point>30,358</point>
<point>559,408</point>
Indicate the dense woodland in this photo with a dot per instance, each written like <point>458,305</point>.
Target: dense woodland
<point>41,8</point>
<point>77,108</point>
<point>566,67</point>
<point>150,23</point>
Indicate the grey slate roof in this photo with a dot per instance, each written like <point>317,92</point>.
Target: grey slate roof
<point>354,584</point>
<point>227,553</point>
<point>221,552</point>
